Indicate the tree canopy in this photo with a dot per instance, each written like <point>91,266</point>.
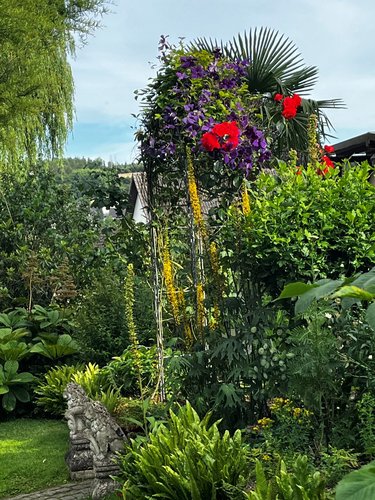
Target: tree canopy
<point>36,83</point>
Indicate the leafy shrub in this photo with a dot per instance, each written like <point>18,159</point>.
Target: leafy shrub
<point>335,463</point>
<point>50,390</point>
<point>185,458</point>
<point>304,226</point>
<point>131,413</point>
<point>366,412</point>
<point>288,431</point>
<point>122,374</point>
<point>300,482</point>
<point>100,318</point>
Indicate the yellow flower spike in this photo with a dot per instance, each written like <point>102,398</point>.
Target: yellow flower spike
<point>313,143</point>
<point>245,199</point>
<point>194,196</point>
<point>169,281</point>
<point>200,308</point>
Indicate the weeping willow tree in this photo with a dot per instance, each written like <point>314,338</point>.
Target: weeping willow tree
<point>36,83</point>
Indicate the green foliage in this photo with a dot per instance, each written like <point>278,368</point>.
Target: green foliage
<point>49,391</point>
<point>359,288</point>
<point>37,87</point>
<point>239,368</point>
<point>185,458</point>
<point>289,429</point>
<point>100,318</point>
<point>303,227</point>
<point>122,373</point>
<point>366,412</point>
<point>44,227</point>
<point>131,413</point>
<point>335,463</point>
<point>12,385</point>
<point>358,485</point>
<point>300,482</point>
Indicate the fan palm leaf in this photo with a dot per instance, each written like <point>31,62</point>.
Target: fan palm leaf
<point>277,67</point>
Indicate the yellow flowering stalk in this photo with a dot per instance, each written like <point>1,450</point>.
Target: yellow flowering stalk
<point>245,199</point>
<point>214,260</point>
<point>194,196</point>
<point>200,308</point>
<point>313,143</point>
<point>169,281</point>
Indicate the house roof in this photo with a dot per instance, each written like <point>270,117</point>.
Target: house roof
<point>359,148</point>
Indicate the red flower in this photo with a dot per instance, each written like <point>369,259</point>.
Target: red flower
<point>326,164</point>
<point>278,97</point>
<point>222,136</point>
<point>210,141</point>
<point>289,112</point>
<point>299,170</point>
<point>290,105</point>
<point>329,149</point>
<point>296,100</point>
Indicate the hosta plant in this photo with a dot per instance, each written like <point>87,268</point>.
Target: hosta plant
<point>12,385</point>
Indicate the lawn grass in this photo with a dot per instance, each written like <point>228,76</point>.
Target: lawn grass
<point>32,455</point>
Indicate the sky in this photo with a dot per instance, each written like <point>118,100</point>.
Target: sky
<point>334,35</point>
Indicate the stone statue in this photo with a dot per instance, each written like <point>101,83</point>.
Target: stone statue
<point>79,457</point>
<point>91,420</point>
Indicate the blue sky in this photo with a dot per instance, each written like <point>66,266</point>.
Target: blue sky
<point>334,35</point>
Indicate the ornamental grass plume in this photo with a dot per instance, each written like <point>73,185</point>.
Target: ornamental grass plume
<point>169,280</point>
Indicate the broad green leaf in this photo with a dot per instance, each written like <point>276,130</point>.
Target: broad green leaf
<point>370,315</point>
<point>358,485</point>
<point>23,378</point>
<point>4,389</point>
<point>21,394</point>
<point>11,366</point>
<point>9,401</point>
<point>295,290</point>
<point>353,291</point>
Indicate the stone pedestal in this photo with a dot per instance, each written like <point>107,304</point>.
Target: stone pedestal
<point>79,459</point>
<point>104,484</point>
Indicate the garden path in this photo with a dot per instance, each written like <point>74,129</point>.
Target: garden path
<point>71,491</point>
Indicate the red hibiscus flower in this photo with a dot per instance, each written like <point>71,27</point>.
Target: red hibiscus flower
<point>222,136</point>
<point>329,149</point>
<point>278,97</point>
